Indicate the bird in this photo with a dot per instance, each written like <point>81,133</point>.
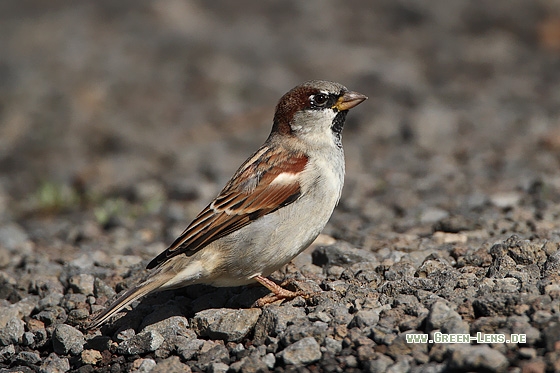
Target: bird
<point>273,207</point>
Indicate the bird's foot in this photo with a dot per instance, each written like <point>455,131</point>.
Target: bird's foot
<point>278,292</point>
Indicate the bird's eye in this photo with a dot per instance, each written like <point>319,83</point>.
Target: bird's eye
<point>319,99</point>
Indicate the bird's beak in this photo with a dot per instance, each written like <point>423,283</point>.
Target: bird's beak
<point>349,100</point>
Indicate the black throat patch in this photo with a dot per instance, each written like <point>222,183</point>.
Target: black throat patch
<point>337,125</point>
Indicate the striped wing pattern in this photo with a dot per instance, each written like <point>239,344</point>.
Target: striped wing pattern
<point>265,183</point>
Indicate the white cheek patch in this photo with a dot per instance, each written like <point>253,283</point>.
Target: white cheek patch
<point>285,178</point>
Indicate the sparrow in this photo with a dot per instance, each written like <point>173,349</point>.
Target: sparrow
<point>272,209</point>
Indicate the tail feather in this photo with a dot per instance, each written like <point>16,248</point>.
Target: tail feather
<point>151,284</point>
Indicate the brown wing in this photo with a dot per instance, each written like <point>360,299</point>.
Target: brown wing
<point>264,183</point>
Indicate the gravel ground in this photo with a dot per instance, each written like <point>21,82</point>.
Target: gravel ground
<point>120,120</point>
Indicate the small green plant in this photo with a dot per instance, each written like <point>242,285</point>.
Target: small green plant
<point>108,209</point>
<point>51,196</point>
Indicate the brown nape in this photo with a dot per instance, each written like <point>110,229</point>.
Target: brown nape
<point>295,100</point>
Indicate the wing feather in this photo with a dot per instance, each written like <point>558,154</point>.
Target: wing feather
<point>258,188</point>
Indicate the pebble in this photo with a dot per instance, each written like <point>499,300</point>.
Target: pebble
<point>225,324</point>
<point>52,315</point>
<point>91,357</point>
<point>143,365</point>
<point>249,364</point>
<point>477,358</point>
<point>340,254</point>
<point>12,331</point>
<point>169,327</point>
<point>6,353</point>
<point>550,336</point>
<point>218,368</point>
<point>67,339</point>
<point>364,318</point>
<point>172,364</point>
<point>28,358</point>
<point>305,351</point>
<point>505,200</point>
<point>212,352</point>
<point>333,346</point>
<point>55,364</point>
<point>378,365</point>
<point>301,330</point>
<point>190,348</point>
<point>14,238</point>
<point>141,343</point>
<point>439,315</point>
<point>270,360</point>
<point>82,283</point>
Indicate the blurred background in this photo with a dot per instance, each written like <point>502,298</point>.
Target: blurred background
<point>106,104</point>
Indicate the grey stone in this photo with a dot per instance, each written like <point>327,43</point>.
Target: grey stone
<point>26,305</point>
<point>216,353</point>
<point>7,314</point>
<point>270,360</point>
<point>28,339</point>
<point>190,348</point>
<point>319,316</point>
<point>378,365</point>
<point>100,289</point>
<point>226,324</point>
<point>249,364</point>
<point>74,301</point>
<point>171,365</point>
<point>400,346</point>
<point>552,265</point>
<point>52,315</point>
<point>274,321</point>
<point>50,300</point>
<point>495,304</point>
<point>67,339</point>
<point>28,358</point>
<point>521,325</point>
<point>366,353</point>
<point>455,326</point>
<point>82,283</point>
<point>440,314</point>
<point>432,214</point>
<point>402,365</point>
<point>383,335</point>
<point>318,330</point>
<point>12,332</point>
<point>6,353</point>
<point>305,351</point>
<point>527,353</point>
<point>551,336</point>
<point>218,368</point>
<point>348,361</point>
<point>364,318</point>
<point>170,327</point>
<point>340,254</point>
<point>77,316</point>
<point>15,239</point>
<point>333,346</point>
<point>477,358</point>
<point>141,343</point>
<point>124,334</point>
<point>143,365</point>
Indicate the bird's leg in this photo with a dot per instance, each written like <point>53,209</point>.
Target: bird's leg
<point>279,292</point>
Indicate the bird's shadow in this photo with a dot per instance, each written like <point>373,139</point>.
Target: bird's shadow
<point>184,302</point>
